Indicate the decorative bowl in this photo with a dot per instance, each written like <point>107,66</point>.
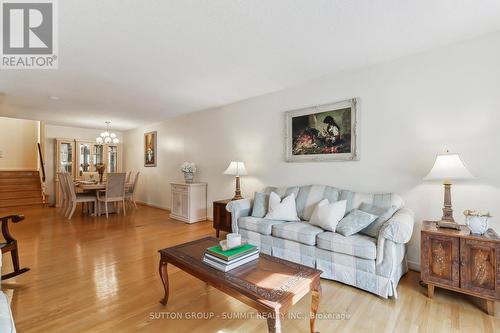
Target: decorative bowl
<point>477,222</point>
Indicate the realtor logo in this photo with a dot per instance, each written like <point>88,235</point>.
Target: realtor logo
<point>29,35</point>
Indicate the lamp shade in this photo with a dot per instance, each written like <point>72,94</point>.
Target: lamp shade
<point>448,167</point>
<point>236,169</point>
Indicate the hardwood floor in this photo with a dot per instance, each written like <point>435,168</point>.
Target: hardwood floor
<point>98,275</point>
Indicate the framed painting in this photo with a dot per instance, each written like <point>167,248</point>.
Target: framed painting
<point>323,133</point>
<point>150,149</point>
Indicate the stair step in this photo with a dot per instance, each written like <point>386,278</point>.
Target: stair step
<point>8,181</point>
<point>20,187</point>
<point>20,194</point>
<point>19,174</point>
<point>20,202</point>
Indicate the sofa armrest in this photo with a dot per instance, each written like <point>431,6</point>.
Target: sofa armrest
<point>399,227</point>
<point>238,208</point>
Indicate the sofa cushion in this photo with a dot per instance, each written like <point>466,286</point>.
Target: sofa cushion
<point>383,213</point>
<point>282,191</point>
<point>386,200</point>
<point>355,221</point>
<point>257,224</point>
<point>301,232</point>
<point>260,204</point>
<point>282,209</point>
<point>310,195</point>
<point>360,246</point>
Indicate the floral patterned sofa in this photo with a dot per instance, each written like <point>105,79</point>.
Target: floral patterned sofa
<point>372,264</point>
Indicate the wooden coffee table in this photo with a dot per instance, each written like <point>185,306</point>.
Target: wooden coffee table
<point>270,285</point>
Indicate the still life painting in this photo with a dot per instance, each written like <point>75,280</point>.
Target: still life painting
<point>326,132</point>
<point>150,154</point>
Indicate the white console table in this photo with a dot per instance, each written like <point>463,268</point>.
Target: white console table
<point>189,202</point>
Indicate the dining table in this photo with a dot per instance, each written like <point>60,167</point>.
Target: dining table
<point>88,186</point>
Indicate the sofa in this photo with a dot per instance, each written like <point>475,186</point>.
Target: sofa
<point>372,264</point>
<point>6,319</point>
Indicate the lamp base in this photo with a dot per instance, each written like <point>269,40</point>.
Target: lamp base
<point>448,225</point>
<point>237,197</point>
<point>237,192</point>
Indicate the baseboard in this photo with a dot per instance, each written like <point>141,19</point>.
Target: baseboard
<point>414,266</point>
<point>142,203</point>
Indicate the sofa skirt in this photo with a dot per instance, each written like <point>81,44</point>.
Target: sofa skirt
<point>354,271</point>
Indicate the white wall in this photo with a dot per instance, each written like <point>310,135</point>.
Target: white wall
<point>410,110</point>
<point>18,139</point>
<point>51,133</point>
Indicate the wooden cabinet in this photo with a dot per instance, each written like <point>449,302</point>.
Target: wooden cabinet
<point>76,156</point>
<point>222,218</point>
<point>89,154</point>
<point>189,202</point>
<point>64,162</point>
<point>460,261</point>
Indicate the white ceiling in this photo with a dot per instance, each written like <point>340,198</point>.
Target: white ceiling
<point>137,62</point>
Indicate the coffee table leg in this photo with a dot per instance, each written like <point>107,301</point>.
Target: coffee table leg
<point>274,322</point>
<point>316,293</point>
<point>164,280</point>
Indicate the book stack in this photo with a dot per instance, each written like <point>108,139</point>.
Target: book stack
<point>227,260</point>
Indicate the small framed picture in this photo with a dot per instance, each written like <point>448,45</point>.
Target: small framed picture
<point>150,149</point>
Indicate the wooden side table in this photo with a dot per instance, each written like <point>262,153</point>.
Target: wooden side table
<point>222,218</point>
<point>462,262</point>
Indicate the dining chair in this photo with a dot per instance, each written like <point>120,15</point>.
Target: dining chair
<point>130,193</point>
<point>115,192</point>
<point>127,179</point>
<point>76,198</point>
<point>64,193</point>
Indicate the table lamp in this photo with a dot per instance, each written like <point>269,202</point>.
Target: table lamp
<point>448,167</point>
<point>236,169</point>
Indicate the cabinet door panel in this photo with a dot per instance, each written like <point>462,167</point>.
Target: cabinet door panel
<point>479,267</point>
<point>440,259</point>
<point>184,205</point>
<point>176,203</point>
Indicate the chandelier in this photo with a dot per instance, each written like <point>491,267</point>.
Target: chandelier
<point>107,136</point>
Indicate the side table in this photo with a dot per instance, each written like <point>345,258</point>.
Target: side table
<point>222,218</point>
<point>460,261</point>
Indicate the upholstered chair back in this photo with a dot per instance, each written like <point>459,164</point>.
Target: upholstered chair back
<point>115,185</point>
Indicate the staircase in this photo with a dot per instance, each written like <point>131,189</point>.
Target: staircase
<point>20,188</point>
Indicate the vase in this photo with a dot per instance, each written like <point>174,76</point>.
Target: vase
<point>188,177</point>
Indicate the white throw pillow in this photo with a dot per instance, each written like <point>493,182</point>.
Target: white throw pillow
<point>327,215</point>
<point>283,210</point>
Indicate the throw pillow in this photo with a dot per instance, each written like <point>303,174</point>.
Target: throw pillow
<point>284,210</point>
<point>383,213</point>
<point>355,221</point>
<point>260,203</point>
<point>327,215</point>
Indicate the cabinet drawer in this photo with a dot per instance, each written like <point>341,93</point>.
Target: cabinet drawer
<point>179,188</point>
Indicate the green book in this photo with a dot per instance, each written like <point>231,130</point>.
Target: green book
<point>231,254</point>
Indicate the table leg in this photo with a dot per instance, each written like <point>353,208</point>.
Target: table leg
<point>316,293</point>
<point>490,307</point>
<point>274,322</point>
<point>430,290</point>
<point>164,280</point>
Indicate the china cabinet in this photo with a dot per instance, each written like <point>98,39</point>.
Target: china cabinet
<point>76,156</point>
